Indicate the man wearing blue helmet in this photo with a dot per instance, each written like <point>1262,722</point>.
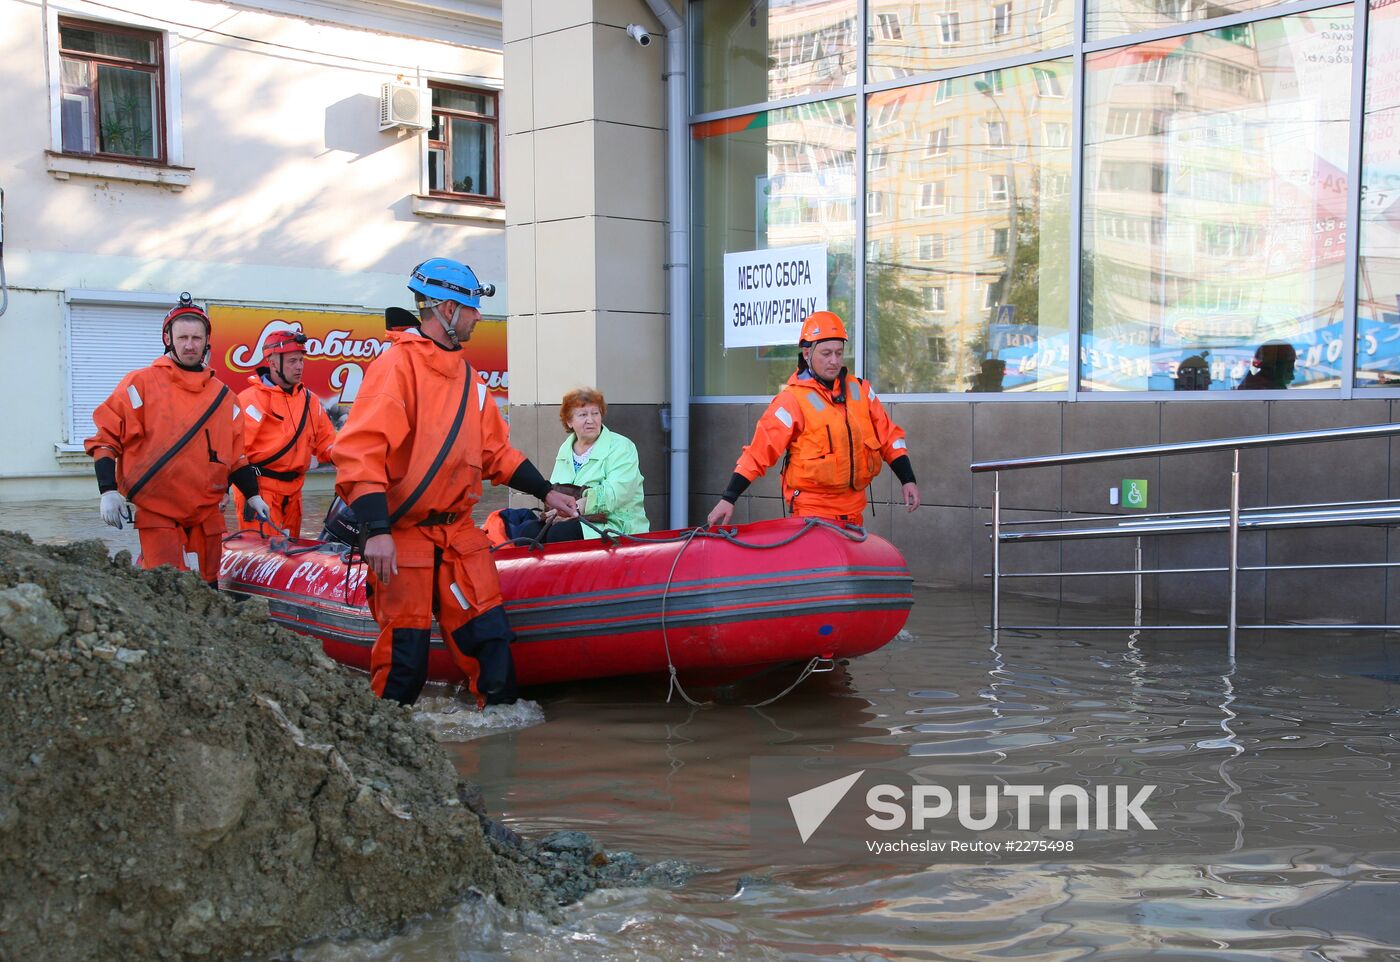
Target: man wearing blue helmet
<point>421,436</point>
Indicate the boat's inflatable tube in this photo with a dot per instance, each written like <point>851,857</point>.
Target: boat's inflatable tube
<point>731,602</point>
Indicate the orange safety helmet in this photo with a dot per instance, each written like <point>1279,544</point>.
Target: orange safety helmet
<point>822,326</point>
<point>284,342</point>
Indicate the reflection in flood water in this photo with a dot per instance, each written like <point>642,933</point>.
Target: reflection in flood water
<point>1290,753</point>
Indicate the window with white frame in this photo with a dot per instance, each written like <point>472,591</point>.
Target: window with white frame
<point>995,82</point>
<point>1056,134</point>
<point>1048,82</point>
<point>1000,238</point>
<point>998,188</point>
<point>996,134</point>
<point>1001,20</point>
<point>949,28</point>
<point>942,91</point>
<point>462,144</point>
<point>932,247</point>
<point>936,143</point>
<point>879,156</point>
<point>888,112</point>
<point>112,91</point>
<point>874,203</point>
<point>992,298</point>
<point>887,27</point>
<point>932,196</point>
<point>935,300</point>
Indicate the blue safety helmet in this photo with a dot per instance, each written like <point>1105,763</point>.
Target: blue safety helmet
<point>441,279</point>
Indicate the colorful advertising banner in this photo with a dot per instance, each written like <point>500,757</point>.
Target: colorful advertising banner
<point>339,347</point>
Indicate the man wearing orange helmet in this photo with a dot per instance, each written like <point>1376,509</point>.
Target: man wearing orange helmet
<point>170,441</point>
<point>284,424</point>
<point>833,431</point>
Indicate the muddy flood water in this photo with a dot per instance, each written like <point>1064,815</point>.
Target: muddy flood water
<point>1275,772</point>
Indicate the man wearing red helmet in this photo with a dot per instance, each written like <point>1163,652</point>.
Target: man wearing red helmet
<point>170,441</point>
<point>284,424</point>
<point>833,431</point>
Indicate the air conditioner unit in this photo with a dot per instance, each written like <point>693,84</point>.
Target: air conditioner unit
<point>404,105</point>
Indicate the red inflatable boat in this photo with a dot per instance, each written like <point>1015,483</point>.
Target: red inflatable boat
<point>726,604</point>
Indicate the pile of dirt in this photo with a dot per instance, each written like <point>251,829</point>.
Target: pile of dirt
<point>179,778</point>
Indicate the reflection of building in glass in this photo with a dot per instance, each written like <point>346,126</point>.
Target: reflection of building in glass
<point>967,228</point>
<point>1108,18</point>
<point>907,37</point>
<point>1214,205</point>
<point>757,51</point>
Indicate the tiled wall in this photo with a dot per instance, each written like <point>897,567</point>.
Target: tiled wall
<point>946,541</point>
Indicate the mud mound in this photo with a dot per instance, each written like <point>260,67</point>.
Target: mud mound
<point>180,779</point>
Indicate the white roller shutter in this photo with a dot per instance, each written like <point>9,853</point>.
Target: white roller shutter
<point>105,343</point>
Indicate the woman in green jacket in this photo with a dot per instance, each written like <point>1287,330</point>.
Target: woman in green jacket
<point>601,462</point>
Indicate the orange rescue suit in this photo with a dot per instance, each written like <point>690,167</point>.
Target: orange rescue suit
<point>177,512</point>
<point>270,419</point>
<point>834,447</point>
<point>398,425</point>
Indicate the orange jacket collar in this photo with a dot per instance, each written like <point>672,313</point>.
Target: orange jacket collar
<point>192,381</point>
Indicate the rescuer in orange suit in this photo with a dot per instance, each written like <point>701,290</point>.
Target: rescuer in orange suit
<point>833,430</point>
<point>170,441</point>
<point>409,462</point>
<point>284,424</point>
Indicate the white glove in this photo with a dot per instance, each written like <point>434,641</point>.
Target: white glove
<point>259,508</point>
<point>111,509</point>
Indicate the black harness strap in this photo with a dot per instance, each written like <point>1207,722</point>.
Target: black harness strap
<point>306,409</point>
<point>164,459</point>
<point>412,499</point>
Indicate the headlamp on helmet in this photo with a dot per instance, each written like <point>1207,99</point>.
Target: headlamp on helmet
<point>284,342</point>
<point>186,310</point>
<point>443,279</point>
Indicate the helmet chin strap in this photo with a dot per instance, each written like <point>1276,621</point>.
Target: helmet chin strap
<point>449,329</point>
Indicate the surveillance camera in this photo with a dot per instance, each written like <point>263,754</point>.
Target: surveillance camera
<point>639,33</point>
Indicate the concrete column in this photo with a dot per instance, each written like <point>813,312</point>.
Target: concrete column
<point>583,120</point>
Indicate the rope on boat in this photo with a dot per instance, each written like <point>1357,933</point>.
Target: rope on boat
<point>816,665</point>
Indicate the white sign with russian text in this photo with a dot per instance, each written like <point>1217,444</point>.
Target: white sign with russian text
<point>769,293</point>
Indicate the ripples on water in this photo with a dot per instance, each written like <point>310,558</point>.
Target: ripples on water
<point>1289,755</point>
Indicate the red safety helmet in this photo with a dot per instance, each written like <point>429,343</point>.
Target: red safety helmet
<point>822,326</point>
<point>284,342</point>
<point>185,310</point>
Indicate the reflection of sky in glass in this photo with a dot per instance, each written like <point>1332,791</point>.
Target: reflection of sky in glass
<point>1215,202</point>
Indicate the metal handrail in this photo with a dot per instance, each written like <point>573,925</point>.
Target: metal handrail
<point>1142,516</point>
<point>1260,517</point>
<point>1191,447</point>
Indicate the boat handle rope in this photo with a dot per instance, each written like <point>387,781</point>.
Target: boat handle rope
<point>816,665</point>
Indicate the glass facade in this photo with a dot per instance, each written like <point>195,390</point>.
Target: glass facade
<point>1155,198</point>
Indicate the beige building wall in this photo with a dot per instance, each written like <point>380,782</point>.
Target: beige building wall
<point>585,161</point>
<point>281,190</point>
